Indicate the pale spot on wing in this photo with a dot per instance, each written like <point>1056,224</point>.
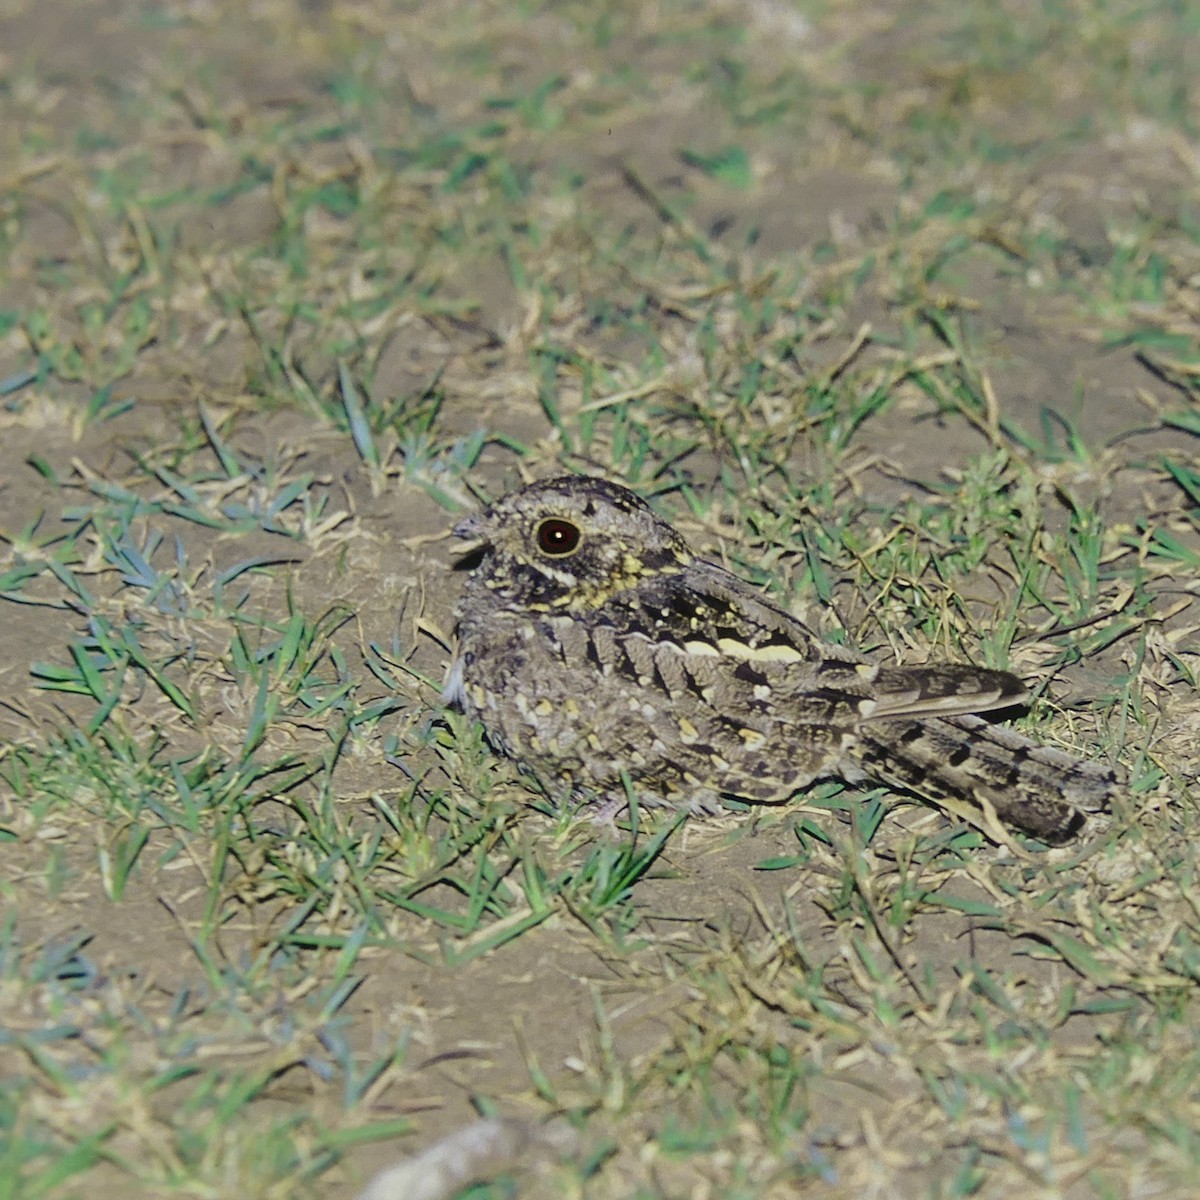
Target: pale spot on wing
<point>913,704</point>
<point>776,652</point>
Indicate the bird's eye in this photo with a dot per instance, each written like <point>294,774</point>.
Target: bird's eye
<point>556,536</point>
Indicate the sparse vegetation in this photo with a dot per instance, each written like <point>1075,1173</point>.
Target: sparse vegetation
<point>894,309</point>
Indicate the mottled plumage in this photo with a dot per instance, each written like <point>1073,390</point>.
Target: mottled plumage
<point>595,648</point>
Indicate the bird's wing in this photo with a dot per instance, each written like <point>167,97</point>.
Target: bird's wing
<point>745,649</point>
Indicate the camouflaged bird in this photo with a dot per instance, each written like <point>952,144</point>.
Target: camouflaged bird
<point>596,648</point>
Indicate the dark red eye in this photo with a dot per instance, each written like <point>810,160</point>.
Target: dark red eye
<point>556,536</point>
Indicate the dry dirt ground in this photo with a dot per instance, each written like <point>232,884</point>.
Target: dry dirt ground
<point>893,306</point>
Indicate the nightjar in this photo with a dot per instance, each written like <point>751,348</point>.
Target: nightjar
<point>599,651</point>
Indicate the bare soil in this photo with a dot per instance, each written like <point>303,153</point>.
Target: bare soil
<point>185,94</point>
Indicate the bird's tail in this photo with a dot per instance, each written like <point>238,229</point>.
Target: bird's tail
<point>1036,788</point>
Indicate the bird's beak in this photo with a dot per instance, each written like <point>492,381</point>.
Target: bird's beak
<point>473,530</point>
<point>469,528</point>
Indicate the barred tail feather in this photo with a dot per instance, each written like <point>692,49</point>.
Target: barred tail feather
<point>1040,790</point>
